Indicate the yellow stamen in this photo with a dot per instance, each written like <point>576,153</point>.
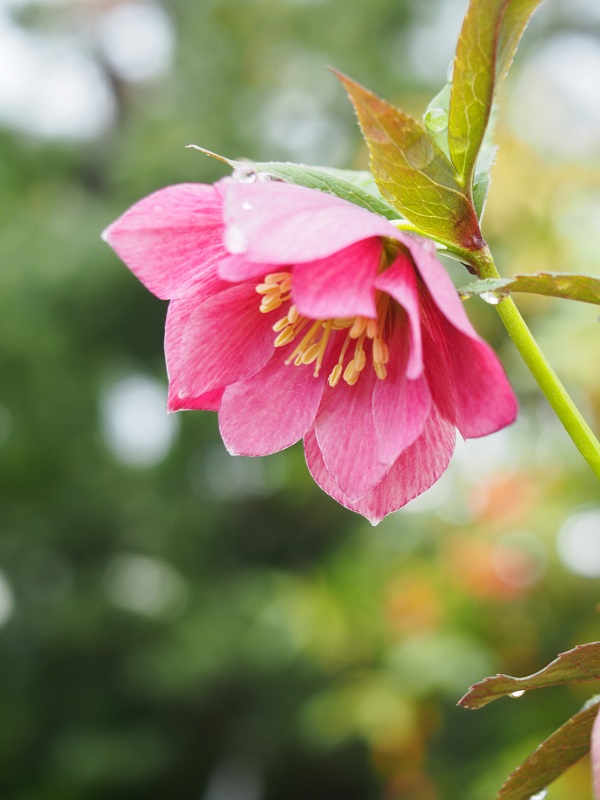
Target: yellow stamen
<point>285,337</point>
<point>281,324</point>
<point>335,375</point>
<point>380,370</point>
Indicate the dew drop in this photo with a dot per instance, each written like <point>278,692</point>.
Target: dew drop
<point>450,72</point>
<point>518,693</point>
<point>246,206</point>
<point>436,120</point>
<point>419,153</point>
<point>245,174</point>
<point>493,298</point>
<point>465,295</point>
<point>540,795</point>
<point>235,240</point>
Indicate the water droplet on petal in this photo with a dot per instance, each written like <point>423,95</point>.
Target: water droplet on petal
<point>493,298</point>
<point>436,120</point>
<point>518,693</point>
<point>246,205</point>
<point>235,240</point>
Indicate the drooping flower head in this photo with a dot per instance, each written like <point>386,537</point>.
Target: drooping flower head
<point>296,314</point>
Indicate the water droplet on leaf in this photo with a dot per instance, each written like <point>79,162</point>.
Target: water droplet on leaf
<point>245,174</point>
<point>465,295</point>
<point>493,298</point>
<point>540,795</point>
<point>436,120</point>
<point>235,240</point>
<point>518,693</point>
<point>419,153</point>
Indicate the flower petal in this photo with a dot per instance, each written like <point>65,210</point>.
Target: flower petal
<point>236,268</point>
<point>226,339</point>
<point>346,435</point>
<point>401,406</point>
<point>439,284</point>
<point>271,410</point>
<point>177,317</point>
<point>172,240</point>
<point>341,285</point>
<point>400,282</point>
<point>466,379</point>
<point>418,468</point>
<point>281,223</point>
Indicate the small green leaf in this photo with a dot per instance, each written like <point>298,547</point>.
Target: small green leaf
<point>413,174</point>
<point>582,663</point>
<point>584,288</point>
<point>486,46</point>
<point>560,751</point>
<point>356,187</point>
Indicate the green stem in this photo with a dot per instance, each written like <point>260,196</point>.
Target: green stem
<point>549,382</point>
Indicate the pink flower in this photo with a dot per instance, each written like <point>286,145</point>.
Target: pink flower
<point>297,314</point>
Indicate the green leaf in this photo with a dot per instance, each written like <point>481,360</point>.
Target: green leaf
<point>560,751</point>
<point>486,46</point>
<point>413,174</point>
<point>584,288</point>
<point>356,187</point>
<point>580,664</point>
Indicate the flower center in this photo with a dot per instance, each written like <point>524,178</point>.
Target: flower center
<point>361,332</point>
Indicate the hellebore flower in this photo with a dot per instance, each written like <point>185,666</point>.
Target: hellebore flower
<point>296,314</point>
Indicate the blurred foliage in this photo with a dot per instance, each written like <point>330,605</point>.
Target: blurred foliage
<point>205,627</point>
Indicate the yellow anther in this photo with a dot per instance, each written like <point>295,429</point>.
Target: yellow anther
<point>360,359</point>
<point>335,375</point>
<point>381,351</point>
<point>350,374</point>
<point>311,353</point>
<point>268,288</point>
<point>372,328</point>
<point>285,337</point>
<point>380,370</point>
<point>293,314</point>
<point>276,277</point>
<point>270,303</point>
<point>358,327</point>
<point>281,324</point>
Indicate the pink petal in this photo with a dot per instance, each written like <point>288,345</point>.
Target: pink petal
<point>401,406</point>
<point>595,756</point>
<point>281,223</point>
<point>400,282</point>
<point>177,317</point>
<point>225,339</point>
<point>271,410</point>
<point>173,239</point>
<point>438,283</point>
<point>466,378</point>
<point>236,268</point>
<point>341,285</point>
<point>346,435</point>
<point>416,470</point>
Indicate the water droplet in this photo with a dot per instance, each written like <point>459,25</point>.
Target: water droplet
<point>419,153</point>
<point>465,295</point>
<point>246,205</point>
<point>245,174</point>
<point>235,240</point>
<point>493,298</point>
<point>518,693</point>
<point>450,72</point>
<point>540,795</point>
<point>436,120</point>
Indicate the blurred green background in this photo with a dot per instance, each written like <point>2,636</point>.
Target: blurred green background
<point>176,623</point>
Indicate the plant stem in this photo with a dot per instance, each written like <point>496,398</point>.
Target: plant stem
<point>549,382</point>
